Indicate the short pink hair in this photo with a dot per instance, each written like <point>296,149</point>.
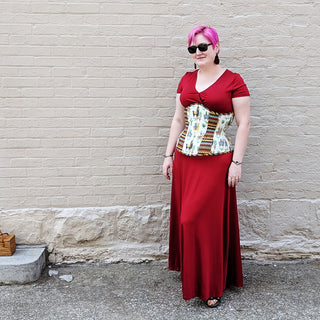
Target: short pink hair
<point>208,32</point>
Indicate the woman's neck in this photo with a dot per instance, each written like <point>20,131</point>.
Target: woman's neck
<point>210,70</point>
<point>207,77</point>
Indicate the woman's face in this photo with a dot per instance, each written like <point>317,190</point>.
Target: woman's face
<point>203,58</point>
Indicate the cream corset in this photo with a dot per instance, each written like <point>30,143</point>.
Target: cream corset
<point>204,132</point>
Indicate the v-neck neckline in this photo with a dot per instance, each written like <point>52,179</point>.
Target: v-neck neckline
<point>213,83</point>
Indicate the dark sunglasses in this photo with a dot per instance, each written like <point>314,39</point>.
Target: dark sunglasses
<point>202,47</point>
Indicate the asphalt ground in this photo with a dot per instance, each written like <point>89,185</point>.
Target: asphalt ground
<point>272,290</point>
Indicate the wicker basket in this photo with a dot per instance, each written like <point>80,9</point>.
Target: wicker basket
<point>7,244</point>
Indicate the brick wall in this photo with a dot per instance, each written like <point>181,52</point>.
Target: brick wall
<point>87,93</point>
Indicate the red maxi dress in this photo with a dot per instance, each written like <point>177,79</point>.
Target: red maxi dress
<point>204,242</point>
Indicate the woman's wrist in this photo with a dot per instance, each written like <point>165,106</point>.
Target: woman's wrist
<point>167,155</point>
<point>236,162</point>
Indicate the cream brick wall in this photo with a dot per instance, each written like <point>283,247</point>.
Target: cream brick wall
<point>87,93</point>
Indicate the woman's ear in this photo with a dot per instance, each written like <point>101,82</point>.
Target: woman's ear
<point>217,47</point>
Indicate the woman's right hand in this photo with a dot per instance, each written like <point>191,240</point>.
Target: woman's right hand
<point>167,167</point>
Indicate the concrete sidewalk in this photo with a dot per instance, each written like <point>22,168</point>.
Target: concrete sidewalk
<point>273,290</point>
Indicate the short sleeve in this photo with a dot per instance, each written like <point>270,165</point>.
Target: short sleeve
<point>181,83</point>
<point>239,89</point>
<point>179,89</point>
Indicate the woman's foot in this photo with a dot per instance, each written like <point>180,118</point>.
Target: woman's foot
<point>213,302</point>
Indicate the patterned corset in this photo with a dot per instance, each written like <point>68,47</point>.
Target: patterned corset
<point>204,132</point>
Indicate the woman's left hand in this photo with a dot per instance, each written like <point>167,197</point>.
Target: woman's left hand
<point>234,174</point>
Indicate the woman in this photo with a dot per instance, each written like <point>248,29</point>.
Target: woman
<point>204,240</point>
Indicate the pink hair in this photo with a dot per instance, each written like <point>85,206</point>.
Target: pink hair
<point>208,32</point>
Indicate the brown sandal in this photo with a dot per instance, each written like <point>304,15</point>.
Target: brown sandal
<point>213,302</point>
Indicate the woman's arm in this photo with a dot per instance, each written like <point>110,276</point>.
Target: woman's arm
<point>177,126</point>
<point>241,107</point>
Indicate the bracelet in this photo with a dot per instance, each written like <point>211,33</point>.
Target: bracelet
<point>236,162</point>
<point>167,156</point>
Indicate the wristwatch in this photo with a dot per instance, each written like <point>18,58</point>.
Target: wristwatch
<point>236,162</point>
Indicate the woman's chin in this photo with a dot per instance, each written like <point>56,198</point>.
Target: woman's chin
<point>201,63</point>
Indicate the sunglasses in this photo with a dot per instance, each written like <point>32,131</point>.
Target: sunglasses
<point>202,47</point>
